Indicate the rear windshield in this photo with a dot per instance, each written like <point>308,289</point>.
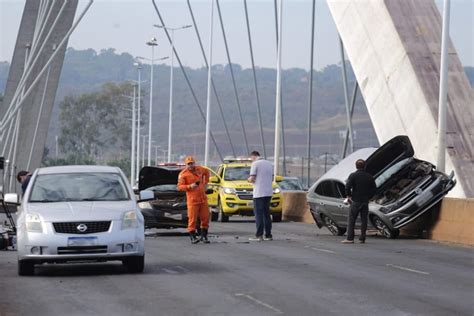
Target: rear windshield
<point>79,187</point>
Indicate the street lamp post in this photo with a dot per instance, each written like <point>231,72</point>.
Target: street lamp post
<point>132,151</point>
<point>170,118</point>
<point>151,43</point>
<point>138,127</point>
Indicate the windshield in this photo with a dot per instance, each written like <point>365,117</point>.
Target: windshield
<point>290,184</point>
<point>237,173</point>
<point>79,187</point>
<point>387,174</point>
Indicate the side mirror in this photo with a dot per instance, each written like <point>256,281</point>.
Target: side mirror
<point>214,179</point>
<point>278,178</point>
<point>12,198</point>
<point>146,195</point>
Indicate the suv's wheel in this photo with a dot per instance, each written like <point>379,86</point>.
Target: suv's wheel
<point>332,226</point>
<point>214,216</point>
<point>26,267</point>
<point>223,218</point>
<point>135,264</point>
<point>384,229</point>
<point>276,217</point>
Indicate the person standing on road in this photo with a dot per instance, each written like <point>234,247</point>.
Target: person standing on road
<point>360,187</point>
<point>261,175</point>
<point>24,178</point>
<point>193,179</point>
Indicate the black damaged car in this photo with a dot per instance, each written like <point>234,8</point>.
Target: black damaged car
<point>169,209</point>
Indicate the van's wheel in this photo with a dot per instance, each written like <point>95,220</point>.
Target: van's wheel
<point>384,229</point>
<point>26,267</point>
<point>134,264</point>
<point>224,218</point>
<point>332,226</point>
<point>276,217</point>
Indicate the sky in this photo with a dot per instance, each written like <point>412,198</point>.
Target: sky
<point>126,25</point>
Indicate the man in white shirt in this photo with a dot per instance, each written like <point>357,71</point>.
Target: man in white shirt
<point>261,175</point>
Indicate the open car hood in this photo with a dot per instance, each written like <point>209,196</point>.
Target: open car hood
<point>393,151</point>
<point>151,176</point>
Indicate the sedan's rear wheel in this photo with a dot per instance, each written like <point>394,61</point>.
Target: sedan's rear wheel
<point>26,267</point>
<point>135,264</point>
<point>384,229</point>
<point>332,226</point>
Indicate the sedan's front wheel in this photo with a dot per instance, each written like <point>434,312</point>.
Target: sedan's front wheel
<point>333,228</point>
<point>26,267</point>
<point>135,264</point>
<point>384,229</point>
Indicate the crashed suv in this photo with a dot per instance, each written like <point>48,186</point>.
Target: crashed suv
<point>406,188</point>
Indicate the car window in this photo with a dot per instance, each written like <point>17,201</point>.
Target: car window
<point>237,173</point>
<point>330,188</point>
<point>79,187</point>
<point>387,174</point>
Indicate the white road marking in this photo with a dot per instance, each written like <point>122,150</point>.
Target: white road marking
<point>407,269</point>
<point>323,250</point>
<point>276,310</point>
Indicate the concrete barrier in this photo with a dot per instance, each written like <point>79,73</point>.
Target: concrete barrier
<point>454,222</point>
<point>295,207</point>
<point>450,221</point>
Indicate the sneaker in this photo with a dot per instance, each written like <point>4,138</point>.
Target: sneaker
<point>346,241</point>
<point>268,238</point>
<point>256,238</point>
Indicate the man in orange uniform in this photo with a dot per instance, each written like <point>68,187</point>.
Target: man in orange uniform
<point>193,179</point>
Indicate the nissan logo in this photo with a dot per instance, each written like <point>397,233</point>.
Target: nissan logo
<point>81,228</point>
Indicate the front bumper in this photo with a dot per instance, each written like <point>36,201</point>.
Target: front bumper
<point>49,246</point>
<point>165,218</point>
<point>235,206</point>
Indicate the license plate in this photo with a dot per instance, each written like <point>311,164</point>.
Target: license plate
<point>81,241</point>
<point>250,203</point>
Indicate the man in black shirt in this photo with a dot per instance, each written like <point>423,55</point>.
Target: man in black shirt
<point>24,178</point>
<point>360,187</point>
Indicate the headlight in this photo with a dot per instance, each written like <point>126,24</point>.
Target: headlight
<point>129,220</point>
<point>228,190</point>
<point>33,223</point>
<point>276,190</point>
<point>144,205</point>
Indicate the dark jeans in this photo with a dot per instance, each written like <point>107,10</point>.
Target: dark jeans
<point>261,209</point>
<point>356,209</point>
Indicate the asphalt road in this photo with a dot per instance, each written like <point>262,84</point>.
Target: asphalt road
<point>304,271</point>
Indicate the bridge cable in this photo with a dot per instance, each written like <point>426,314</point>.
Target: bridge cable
<point>186,78</point>
<point>255,81</point>
<point>212,80</point>
<point>233,77</point>
<point>281,97</point>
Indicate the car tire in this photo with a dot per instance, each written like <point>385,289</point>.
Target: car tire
<point>276,217</point>
<point>134,264</point>
<point>26,267</point>
<point>384,229</point>
<point>223,218</point>
<point>214,216</point>
<point>333,227</point>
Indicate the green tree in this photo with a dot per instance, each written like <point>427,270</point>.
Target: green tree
<point>97,123</point>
